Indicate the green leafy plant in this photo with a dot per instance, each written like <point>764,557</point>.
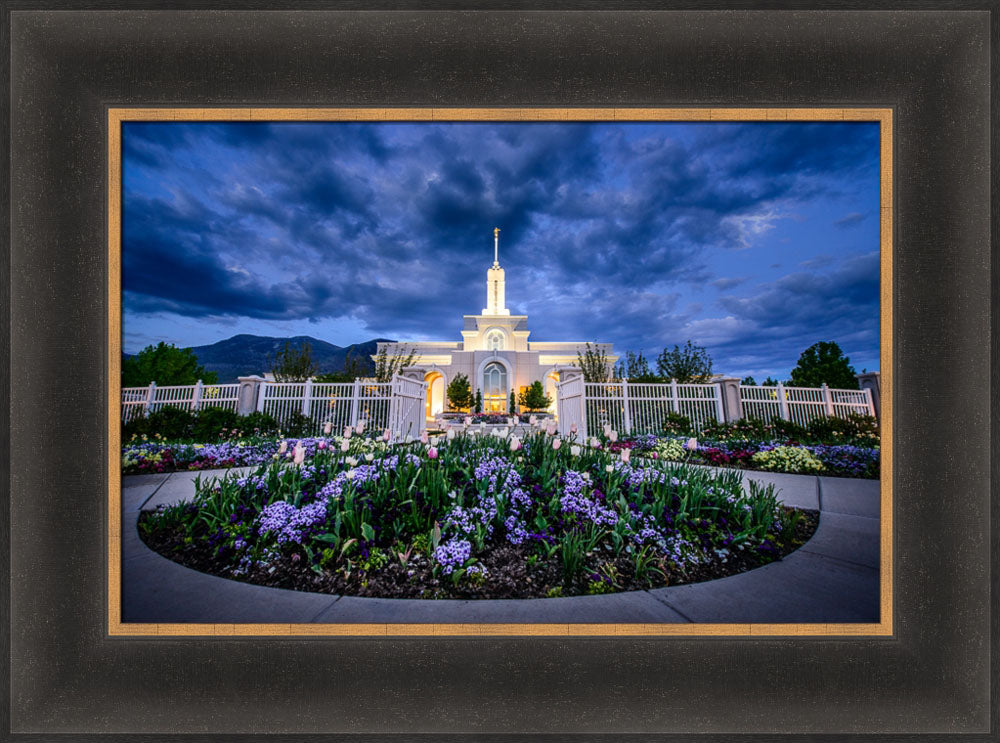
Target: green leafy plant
<point>459,392</point>
<point>166,365</point>
<point>533,397</point>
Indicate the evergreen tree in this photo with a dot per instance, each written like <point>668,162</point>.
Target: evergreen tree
<point>459,392</point>
<point>534,398</point>
<point>479,401</point>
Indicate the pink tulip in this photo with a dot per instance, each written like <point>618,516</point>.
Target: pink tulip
<point>654,455</point>
<point>556,443</point>
<point>595,443</point>
<point>327,428</point>
<point>515,443</point>
<point>321,445</point>
<point>424,438</point>
<point>347,432</point>
<point>360,428</point>
<point>432,453</point>
<point>572,428</point>
<point>283,448</point>
<point>387,435</point>
<point>613,436</point>
<point>300,454</point>
<point>607,429</point>
<point>345,445</point>
<point>468,420</point>
<point>626,453</point>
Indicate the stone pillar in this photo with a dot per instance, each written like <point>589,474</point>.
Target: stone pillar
<point>246,395</point>
<point>873,381</point>
<point>729,388</point>
<point>413,372</point>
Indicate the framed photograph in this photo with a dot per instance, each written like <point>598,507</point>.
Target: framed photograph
<point>384,372</point>
<point>359,486</point>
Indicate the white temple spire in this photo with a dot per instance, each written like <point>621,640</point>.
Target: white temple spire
<point>495,304</point>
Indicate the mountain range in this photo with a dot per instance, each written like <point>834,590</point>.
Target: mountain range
<point>244,354</point>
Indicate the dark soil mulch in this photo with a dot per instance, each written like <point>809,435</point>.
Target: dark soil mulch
<point>514,572</point>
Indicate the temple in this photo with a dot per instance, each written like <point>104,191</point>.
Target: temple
<point>494,353</point>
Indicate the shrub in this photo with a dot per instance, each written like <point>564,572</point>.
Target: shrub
<point>296,424</point>
<point>258,423</point>
<point>209,423</point>
<point>169,422</point>
<point>676,424</point>
<point>795,459</point>
<point>854,428</point>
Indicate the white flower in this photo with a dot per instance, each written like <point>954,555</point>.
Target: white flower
<point>609,468</point>
<point>359,429</point>
<point>345,445</point>
<point>594,443</point>
<point>409,439</point>
<point>327,427</point>
<point>351,461</point>
<point>515,443</point>
<point>451,434</point>
<point>283,447</point>
<point>350,474</point>
<point>533,420</point>
<point>691,444</point>
<point>586,476</point>
<point>468,420</point>
<point>347,432</point>
<point>574,450</point>
<point>607,429</point>
<point>502,433</point>
<point>626,453</point>
<point>613,436</point>
<point>369,457</point>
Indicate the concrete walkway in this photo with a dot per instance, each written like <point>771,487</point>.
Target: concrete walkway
<point>832,578</point>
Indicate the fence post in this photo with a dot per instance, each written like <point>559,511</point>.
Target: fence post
<point>720,413</point>
<point>628,413</point>
<point>871,401</point>
<point>247,394</point>
<point>783,402</point>
<point>675,402</point>
<point>261,397</point>
<point>827,400</point>
<point>196,398</point>
<point>355,402</point>
<point>307,397</point>
<point>150,396</point>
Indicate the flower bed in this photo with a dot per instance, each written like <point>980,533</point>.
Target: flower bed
<point>838,460</point>
<point>474,516</point>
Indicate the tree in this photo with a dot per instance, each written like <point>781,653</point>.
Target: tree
<point>533,397</point>
<point>164,364</point>
<point>824,363</point>
<point>293,364</point>
<point>635,368</point>
<point>355,367</point>
<point>769,382</point>
<point>388,365</point>
<point>689,364</point>
<point>459,392</point>
<point>748,381</point>
<point>479,401</point>
<point>594,363</point>
<point>511,403</point>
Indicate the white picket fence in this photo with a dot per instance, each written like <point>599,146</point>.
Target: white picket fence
<point>398,405</point>
<point>139,401</point>
<point>632,408</point>
<point>803,404</point>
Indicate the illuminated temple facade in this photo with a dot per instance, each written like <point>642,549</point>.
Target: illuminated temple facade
<point>494,353</point>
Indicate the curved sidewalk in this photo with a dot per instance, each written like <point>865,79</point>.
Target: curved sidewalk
<point>833,578</point>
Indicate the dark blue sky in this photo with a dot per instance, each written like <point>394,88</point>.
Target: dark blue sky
<point>754,240</point>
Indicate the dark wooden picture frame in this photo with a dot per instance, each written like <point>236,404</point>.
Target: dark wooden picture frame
<point>66,674</point>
